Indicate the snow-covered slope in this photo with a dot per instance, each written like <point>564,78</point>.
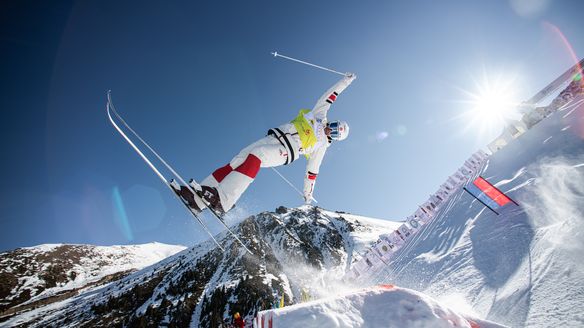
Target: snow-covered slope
<point>520,268</point>
<point>524,267</point>
<point>379,306</point>
<point>33,275</point>
<point>296,250</point>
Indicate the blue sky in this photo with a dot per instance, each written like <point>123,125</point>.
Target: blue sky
<point>196,79</point>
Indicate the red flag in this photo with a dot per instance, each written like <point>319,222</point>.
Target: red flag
<point>492,192</point>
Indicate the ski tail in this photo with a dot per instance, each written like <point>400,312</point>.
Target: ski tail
<point>220,218</point>
<point>111,108</point>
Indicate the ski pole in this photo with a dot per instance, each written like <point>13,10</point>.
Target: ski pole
<point>276,54</point>
<point>290,183</point>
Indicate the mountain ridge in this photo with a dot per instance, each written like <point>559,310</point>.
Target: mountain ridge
<point>297,249</point>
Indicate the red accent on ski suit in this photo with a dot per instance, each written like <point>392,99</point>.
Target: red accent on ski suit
<point>222,172</point>
<point>250,167</point>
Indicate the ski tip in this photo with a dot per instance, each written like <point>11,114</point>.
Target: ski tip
<point>109,97</point>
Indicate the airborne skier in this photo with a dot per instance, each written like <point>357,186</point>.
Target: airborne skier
<point>309,134</point>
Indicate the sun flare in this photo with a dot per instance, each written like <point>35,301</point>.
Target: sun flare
<point>491,104</point>
<point>494,105</point>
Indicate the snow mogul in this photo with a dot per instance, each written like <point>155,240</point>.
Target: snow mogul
<point>308,134</point>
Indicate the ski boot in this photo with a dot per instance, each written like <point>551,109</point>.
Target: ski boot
<point>184,193</point>
<point>211,196</point>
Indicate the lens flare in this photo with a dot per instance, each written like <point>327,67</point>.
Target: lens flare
<point>571,52</point>
<point>578,118</point>
<point>120,215</point>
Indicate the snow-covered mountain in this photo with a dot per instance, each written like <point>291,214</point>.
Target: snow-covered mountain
<point>522,268</point>
<point>43,274</point>
<point>304,250</point>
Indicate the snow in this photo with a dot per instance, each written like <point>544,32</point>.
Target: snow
<point>268,279</point>
<point>103,261</point>
<point>363,238</point>
<point>383,306</point>
<point>133,257</point>
<point>320,282</point>
<point>43,247</point>
<point>523,267</point>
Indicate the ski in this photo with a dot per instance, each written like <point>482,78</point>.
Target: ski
<point>111,109</point>
<point>195,186</point>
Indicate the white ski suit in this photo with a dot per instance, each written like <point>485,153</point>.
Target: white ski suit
<point>281,146</point>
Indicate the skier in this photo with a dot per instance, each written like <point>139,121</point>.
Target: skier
<point>309,134</point>
<point>238,321</point>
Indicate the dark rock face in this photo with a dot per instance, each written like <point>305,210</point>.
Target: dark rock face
<point>206,286</point>
<point>52,268</point>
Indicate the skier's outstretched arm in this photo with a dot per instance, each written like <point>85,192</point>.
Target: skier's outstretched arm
<point>323,104</point>
<point>312,168</point>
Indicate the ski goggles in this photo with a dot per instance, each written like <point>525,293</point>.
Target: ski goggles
<point>334,126</point>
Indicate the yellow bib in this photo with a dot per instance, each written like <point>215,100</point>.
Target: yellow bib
<point>305,131</point>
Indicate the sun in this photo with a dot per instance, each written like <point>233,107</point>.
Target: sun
<point>492,103</point>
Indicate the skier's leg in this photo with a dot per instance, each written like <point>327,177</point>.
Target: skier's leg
<point>232,180</point>
<point>219,174</point>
